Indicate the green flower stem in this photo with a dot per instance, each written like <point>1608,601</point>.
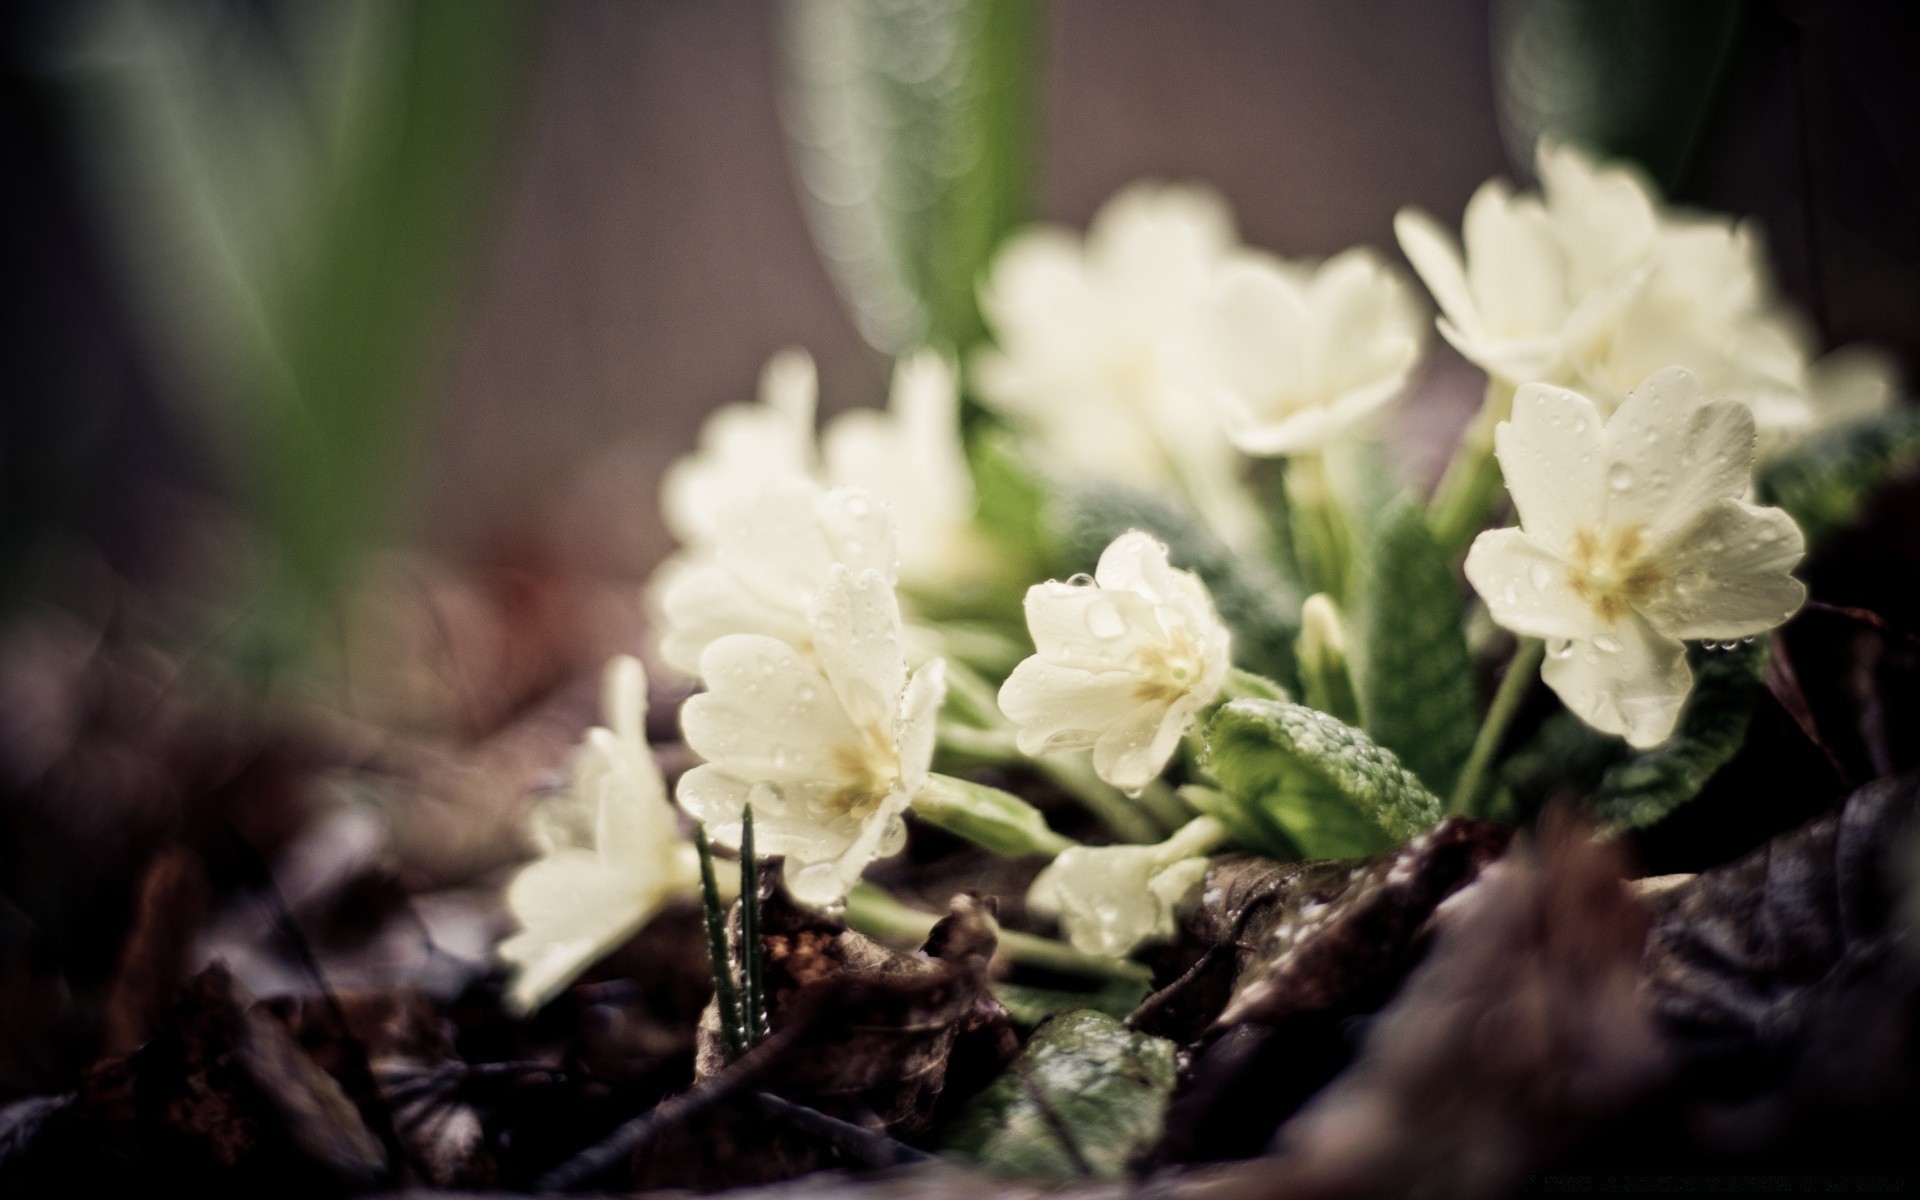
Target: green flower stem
<point>754,1015</point>
<point>1493,730</point>
<point>988,817</point>
<point>972,698</point>
<point>1321,543</point>
<point>718,957</point>
<point>1471,486</point>
<point>1071,773</point>
<point>872,911</point>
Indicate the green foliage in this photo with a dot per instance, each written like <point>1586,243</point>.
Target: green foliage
<point>1085,1096</point>
<point>1334,791</point>
<point>1625,78</point>
<point>1824,482</point>
<point>1645,787</point>
<point>1029,1006</point>
<point>910,129</point>
<point>1415,675</point>
<point>1261,606</point>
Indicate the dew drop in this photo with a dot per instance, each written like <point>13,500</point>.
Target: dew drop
<point>764,795</point>
<point>804,693</point>
<point>1080,580</point>
<point>1539,576</point>
<point>1607,643</point>
<point>857,505</point>
<point>1105,622</point>
<point>1512,594</point>
<point>1620,477</point>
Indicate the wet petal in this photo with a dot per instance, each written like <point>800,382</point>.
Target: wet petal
<point>1628,680</point>
<point>1670,457</point>
<point>856,637</point>
<point>769,714</point>
<point>1550,453</point>
<point>1525,586</point>
<point>1730,575</point>
<point>1064,708</point>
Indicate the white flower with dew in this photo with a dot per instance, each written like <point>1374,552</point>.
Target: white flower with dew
<point>1090,335</point>
<point>1634,538</point>
<point>1295,356</point>
<point>771,553</point>
<point>1122,663</point>
<point>743,448</point>
<point>1110,900</point>
<point>613,852</point>
<point>829,748</point>
<point>910,458</point>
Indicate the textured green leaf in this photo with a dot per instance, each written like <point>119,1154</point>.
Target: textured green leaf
<point>1260,605</point>
<point>1335,792</point>
<point>1644,788</point>
<point>910,128</point>
<point>1083,1099</point>
<point>1625,78</point>
<point>1415,675</point>
<point>1824,482</point>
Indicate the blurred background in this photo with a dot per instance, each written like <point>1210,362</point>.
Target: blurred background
<point>347,342</point>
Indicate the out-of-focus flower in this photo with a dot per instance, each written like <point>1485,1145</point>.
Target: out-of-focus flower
<point>910,458</point>
<point>828,748</point>
<point>743,448</point>
<point>1113,899</point>
<point>1122,663</point>
<point>613,852</point>
<point>771,553</point>
<point>1297,355</point>
<point>1593,284</point>
<point>1090,340</point>
<point>1633,538</point>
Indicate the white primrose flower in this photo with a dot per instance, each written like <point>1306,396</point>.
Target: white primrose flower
<point>1112,899</point>
<point>771,553</point>
<point>828,748</point>
<point>1122,663</point>
<point>743,448</point>
<point>1090,339</point>
<point>1634,538</point>
<point>910,457</point>
<point>613,852</point>
<point>1298,355</point>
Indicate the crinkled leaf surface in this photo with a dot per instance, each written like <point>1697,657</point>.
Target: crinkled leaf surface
<point>1335,792</point>
<point>1261,606</point>
<point>1083,1099</point>
<point>1415,677</point>
<point>1824,483</point>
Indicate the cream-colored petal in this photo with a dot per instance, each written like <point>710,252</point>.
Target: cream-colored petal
<point>1133,751</point>
<point>768,714</point>
<point>1853,383</point>
<point>1515,267</point>
<point>1103,898</point>
<point>855,620</point>
<point>1091,628</point>
<point>1525,586</point>
<point>1671,457</point>
<point>572,911</point>
<point>701,602</point>
<point>1628,680</point>
<point>1550,452</point>
<point>916,726</point>
<point>1438,259</point>
<point>1064,708</point>
<point>1729,575</point>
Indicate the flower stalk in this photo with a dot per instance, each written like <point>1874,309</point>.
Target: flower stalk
<point>986,816</point>
<point>1493,730</point>
<point>872,911</point>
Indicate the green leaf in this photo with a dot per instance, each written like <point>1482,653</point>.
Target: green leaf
<point>1646,787</point>
<point>1029,1006</point>
<point>910,132</point>
<point>1084,1098</point>
<point>1415,674</point>
<point>1624,78</point>
<point>1331,788</point>
<point>1261,606</point>
<point>1823,483</point>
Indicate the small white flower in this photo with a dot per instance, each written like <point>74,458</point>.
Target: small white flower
<point>1121,664</point>
<point>743,448</point>
<point>1112,899</point>
<point>771,553</point>
<point>828,748</point>
<point>1090,336</point>
<point>613,856</point>
<point>1633,539</point>
<point>1299,355</point>
<point>910,458</point>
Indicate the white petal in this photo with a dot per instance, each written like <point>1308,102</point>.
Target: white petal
<point>571,911</point>
<point>623,699</point>
<point>1853,383</point>
<point>1729,575</point>
<point>1436,256</point>
<point>1137,562</point>
<point>769,713</point>
<point>858,530</point>
<point>790,386</point>
<point>1064,708</point>
<point>1525,586</point>
<point>1091,628</point>
<point>856,636</point>
<point>1628,680</point>
<point>916,726</point>
<point>1136,748</point>
<point>1550,453</point>
<point>1514,266</point>
<point>1670,458</point>
<point>701,602</point>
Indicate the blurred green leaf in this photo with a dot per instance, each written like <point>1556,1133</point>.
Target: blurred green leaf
<point>1645,787</point>
<point>1082,1100</point>
<point>1029,1005</point>
<point>1823,483</point>
<point>1415,675</point>
<point>910,122</point>
<point>1623,78</point>
<point>1334,791</point>
<point>1257,603</point>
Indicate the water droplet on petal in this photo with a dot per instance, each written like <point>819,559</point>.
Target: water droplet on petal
<point>857,505</point>
<point>1539,576</point>
<point>1607,643</point>
<point>1560,648</point>
<point>764,796</point>
<point>1620,477</point>
<point>1080,580</point>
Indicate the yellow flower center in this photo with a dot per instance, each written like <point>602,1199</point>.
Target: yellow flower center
<point>1610,570</point>
<point>1164,672</point>
<point>868,769</point>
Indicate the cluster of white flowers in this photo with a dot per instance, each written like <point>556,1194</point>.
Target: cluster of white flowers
<point>1593,285</point>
